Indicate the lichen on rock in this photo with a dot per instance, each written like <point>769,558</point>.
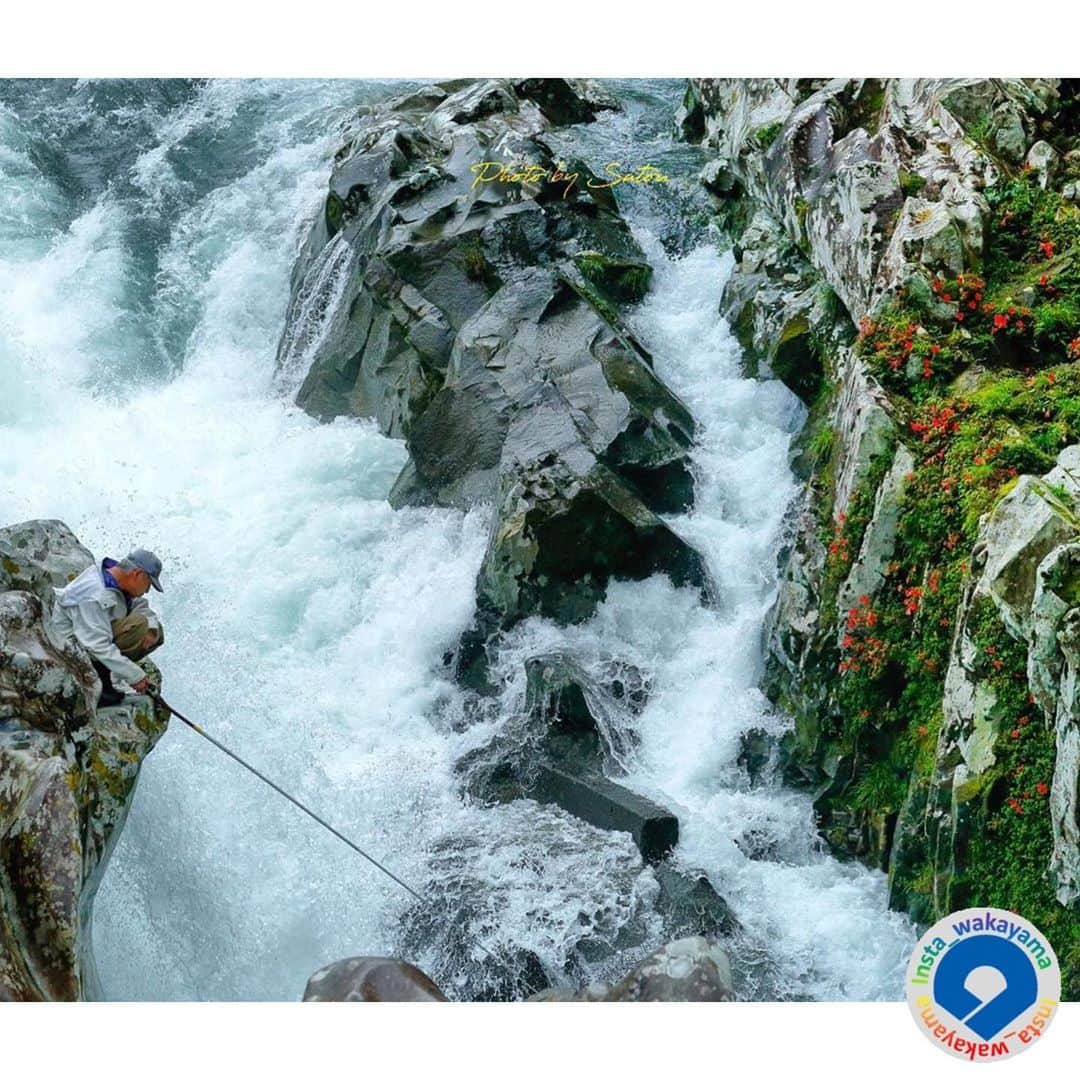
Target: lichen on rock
<point>67,775</point>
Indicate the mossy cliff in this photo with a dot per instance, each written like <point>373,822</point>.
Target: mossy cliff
<point>908,262</point>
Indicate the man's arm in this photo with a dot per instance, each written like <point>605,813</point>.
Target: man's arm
<point>91,625</point>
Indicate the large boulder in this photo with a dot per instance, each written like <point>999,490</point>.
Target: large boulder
<point>475,311</point>
<point>67,775</point>
<point>537,370</point>
<point>37,556</point>
<point>371,978</point>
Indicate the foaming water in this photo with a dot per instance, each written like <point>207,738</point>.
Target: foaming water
<point>813,928</point>
<point>306,620</point>
<point>142,295</point>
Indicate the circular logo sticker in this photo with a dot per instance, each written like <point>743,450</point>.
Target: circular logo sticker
<point>983,984</point>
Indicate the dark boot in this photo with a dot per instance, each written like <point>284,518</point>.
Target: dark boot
<point>109,694</point>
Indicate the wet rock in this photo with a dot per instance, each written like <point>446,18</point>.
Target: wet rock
<point>561,534</point>
<point>690,969</point>
<point>690,905</point>
<point>755,752</point>
<point>417,235</point>
<point>479,318</point>
<point>538,371</point>
<point>67,776</point>
<point>608,805</point>
<point>371,978</point>
<point>572,717</point>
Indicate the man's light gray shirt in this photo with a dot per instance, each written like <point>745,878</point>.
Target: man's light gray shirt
<point>86,609</point>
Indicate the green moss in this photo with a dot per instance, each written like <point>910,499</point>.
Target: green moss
<point>474,259</point>
<point>821,443</point>
<point>335,213</point>
<point>1010,838</point>
<point>604,308</point>
<point>766,136</point>
<point>911,183</point>
<point>802,209</point>
<point>9,566</point>
<point>984,378</point>
<point>619,279</point>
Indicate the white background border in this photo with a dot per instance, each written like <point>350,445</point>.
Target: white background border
<point>415,39</point>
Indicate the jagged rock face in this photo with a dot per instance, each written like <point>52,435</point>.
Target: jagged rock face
<point>538,371</point>
<point>480,322</point>
<point>561,536</point>
<point>864,191</point>
<point>1026,565</point>
<point>413,241</point>
<point>834,167</point>
<point>67,775</point>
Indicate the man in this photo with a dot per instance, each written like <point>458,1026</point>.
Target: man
<point>106,611</point>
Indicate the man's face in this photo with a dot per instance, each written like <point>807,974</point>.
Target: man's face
<point>140,583</point>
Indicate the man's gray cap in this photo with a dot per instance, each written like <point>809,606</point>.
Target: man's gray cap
<point>148,561</point>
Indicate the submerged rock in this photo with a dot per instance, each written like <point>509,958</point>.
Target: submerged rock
<point>67,776</point>
<point>690,969</point>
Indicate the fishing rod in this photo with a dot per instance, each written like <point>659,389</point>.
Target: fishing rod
<point>325,824</point>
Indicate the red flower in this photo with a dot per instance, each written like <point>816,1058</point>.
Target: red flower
<point>1047,248</point>
<point>1023,721</point>
<point>1041,788</point>
<point>1016,733</point>
<point>923,729</point>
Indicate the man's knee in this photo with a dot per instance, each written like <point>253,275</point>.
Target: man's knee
<point>131,635</point>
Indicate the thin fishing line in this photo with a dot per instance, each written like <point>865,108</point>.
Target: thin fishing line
<point>325,824</point>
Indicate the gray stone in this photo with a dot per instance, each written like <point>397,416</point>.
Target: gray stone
<point>607,805</point>
<point>37,556</point>
<point>1021,530</point>
<point>1065,787</point>
<point>371,978</point>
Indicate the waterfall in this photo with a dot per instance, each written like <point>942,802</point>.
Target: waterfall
<point>149,233</point>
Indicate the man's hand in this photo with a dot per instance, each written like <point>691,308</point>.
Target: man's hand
<point>142,686</point>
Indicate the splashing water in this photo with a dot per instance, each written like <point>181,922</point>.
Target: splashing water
<point>144,277</point>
